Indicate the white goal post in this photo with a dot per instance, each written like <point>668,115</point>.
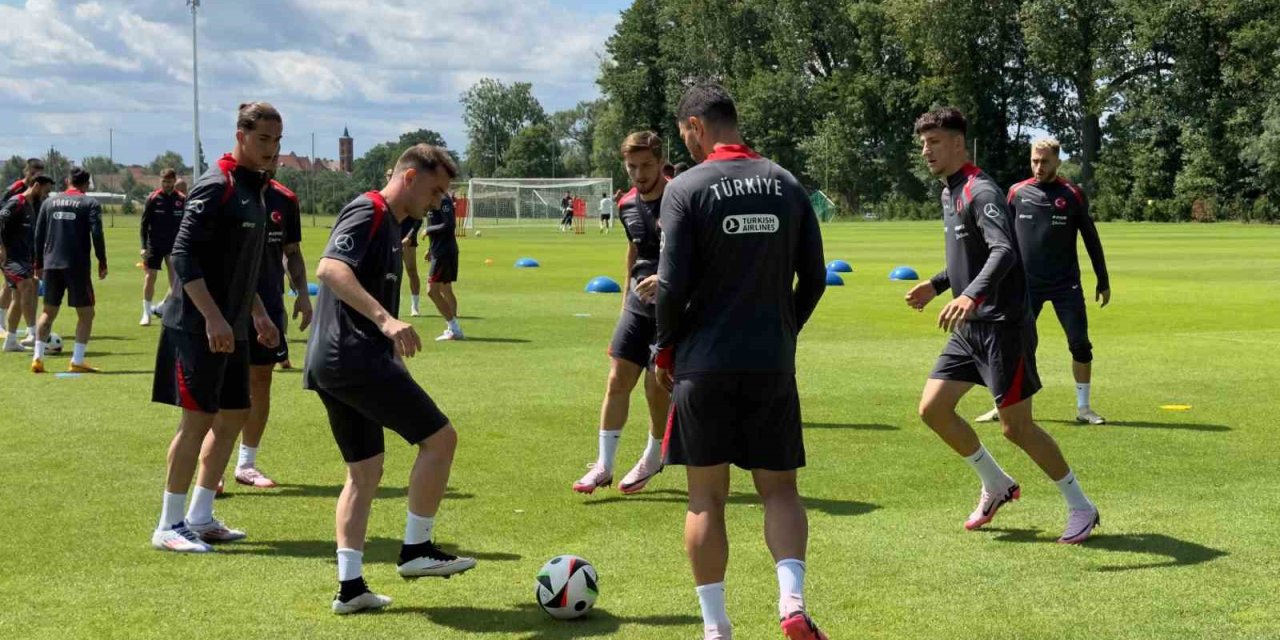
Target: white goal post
<point>531,199</point>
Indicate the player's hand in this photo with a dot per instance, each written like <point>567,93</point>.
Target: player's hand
<point>955,313</point>
<point>647,289</point>
<point>921,295</point>
<point>102,271</point>
<point>1104,296</point>
<point>221,338</point>
<point>142,253</point>
<point>664,378</point>
<point>39,273</point>
<point>403,335</point>
<point>302,307</point>
<point>268,332</point>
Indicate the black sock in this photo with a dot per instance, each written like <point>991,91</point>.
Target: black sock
<point>348,590</point>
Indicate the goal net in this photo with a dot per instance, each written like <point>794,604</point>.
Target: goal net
<point>531,200</point>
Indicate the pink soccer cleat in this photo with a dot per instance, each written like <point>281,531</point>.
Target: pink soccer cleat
<point>990,503</point>
<point>250,476</point>
<point>639,476</point>
<point>597,477</point>
<point>1080,525</point>
<point>799,626</point>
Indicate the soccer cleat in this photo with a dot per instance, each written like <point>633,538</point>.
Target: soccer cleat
<point>799,626</point>
<point>433,562</point>
<point>180,539</point>
<point>597,477</point>
<point>37,366</point>
<point>990,416</point>
<point>1085,415</point>
<point>365,601</point>
<point>714,632</point>
<point>214,531</point>
<point>13,347</point>
<point>990,503</point>
<point>415,312</point>
<point>82,368</point>
<point>145,321</point>
<point>449,336</point>
<point>28,342</point>
<point>639,476</point>
<point>158,310</point>
<point>1080,525</point>
<point>252,477</point>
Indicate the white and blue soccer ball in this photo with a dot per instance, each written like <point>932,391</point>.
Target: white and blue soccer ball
<point>567,587</point>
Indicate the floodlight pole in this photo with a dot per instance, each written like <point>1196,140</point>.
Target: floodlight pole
<point>195,93</point>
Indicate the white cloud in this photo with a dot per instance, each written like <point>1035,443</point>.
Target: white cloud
<point>89,11</point>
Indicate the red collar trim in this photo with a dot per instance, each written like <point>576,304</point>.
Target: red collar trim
<point>379,202</point>
<point>227,162</point>
<point>74,192</point>
<point>732,152</point>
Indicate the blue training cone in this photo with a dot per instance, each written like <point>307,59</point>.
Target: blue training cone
<point>834,279</point>
<point>904,273</point>
<point>527,263</point>
<point>313,288</point>
<point>840,266</point>
<point>602,284</point>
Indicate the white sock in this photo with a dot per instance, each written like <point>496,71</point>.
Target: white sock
<point>171,512</point>
<point>653,451</point>
<point>993,477</point>
<point>417,529</point>
<point>350,564</point>
<point>415,300</point>
<point>609,448</point>
<point>201,511</point>
<point>39,350</point>
<point>77,354</point>
<point>711,597</point>
<point>1082,395</point>
<point>31,331</point>
<point>11,340</point>
<point>453,326</point>
<point>1072,492</point>
<point>790,586</point>
<point>146,307</point>
<point>248,456</point>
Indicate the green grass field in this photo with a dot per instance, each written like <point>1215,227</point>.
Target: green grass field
<point>1188,549</point>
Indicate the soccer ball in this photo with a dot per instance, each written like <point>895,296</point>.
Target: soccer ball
<point>567,587</point>
<point>477,233</point>
<point>54,343</point>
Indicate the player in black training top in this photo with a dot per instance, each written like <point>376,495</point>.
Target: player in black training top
<point>69,226</point>
<point>159,226</point>
<point>17,257</point>
<point>33,168</point>
<point>737,232</point>
<point>442,227</point>
<point>566,207</point>
<point>993,336</point>
<point>633,338</point>
<point>409,245</point>
<point>202,362</point>
<point>283,250</point>
<point>355,364</point>
<point>1049,211</point>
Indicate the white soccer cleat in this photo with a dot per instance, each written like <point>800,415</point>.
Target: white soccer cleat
<point>449,336</point>
<point>1088,416</point>
<point>366,601</point>
<point>415,312</point>
<point>145,321</point>
<point>990,502</point>
<point>1080,525</point>
<point>179,539</point>
<point>215,531</point>
<point>990,416</point>
<point>435,562</point>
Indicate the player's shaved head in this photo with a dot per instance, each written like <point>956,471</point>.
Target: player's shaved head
<point>710,103</point>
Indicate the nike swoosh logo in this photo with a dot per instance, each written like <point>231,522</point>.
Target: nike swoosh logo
<point>244,202</point>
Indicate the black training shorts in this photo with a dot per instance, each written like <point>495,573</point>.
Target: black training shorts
<point>998,355</point>
<point>751,420</point>
<point>358,414</point>
<point>76,284</point>
<point>190,376</point>
<point>633,338</point>
<point>444,269</point>
<point>260,355</point>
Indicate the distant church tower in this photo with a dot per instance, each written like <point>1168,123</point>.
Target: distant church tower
<point>346,152</point>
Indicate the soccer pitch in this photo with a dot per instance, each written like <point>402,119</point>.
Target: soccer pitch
<point>1187,548</point>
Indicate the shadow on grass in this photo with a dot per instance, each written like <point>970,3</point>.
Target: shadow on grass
<point>851,427</point>
<point>111,354</point>
<point>331,491</point>
<point>1181,426</point>
<point>674,496</point>
<point>375,550</point>
<point>1180,553</point>
<point>499,340</point>
<point>528,622</point>
<point>111,338</point>
<point>109,372</point>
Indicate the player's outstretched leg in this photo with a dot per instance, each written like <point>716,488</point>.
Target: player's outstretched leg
<point>419,555</point>
<point>938,410</point>
<point>650,463</point>
<point>786,531</point>
<point>706,541</point>
<point>1020,429</point>
<point>352,522</point>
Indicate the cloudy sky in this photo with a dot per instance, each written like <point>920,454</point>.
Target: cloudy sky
<point>72,70</point>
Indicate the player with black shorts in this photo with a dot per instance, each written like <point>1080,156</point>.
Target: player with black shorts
<point>738,231</point>
<point>33,168</point>
<point>1049,212</point>
<point>606,213</point>
<point>202,362</point>
<point>442,227</point>
<point>283,247</point>
<point>630,351</point>
<point>409,244</point>
<point>17,257</point>
<point>566,206</point>
<point>355,364</point>
<point>69,226</point>
<point>159,226</point>
<point>993,334</point>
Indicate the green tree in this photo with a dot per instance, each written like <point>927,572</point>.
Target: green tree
<point>100,166</point>
<point>371,168</point>
<point>531,154</point>
<point>494,113</point>
<point>13,169</point>
<point>168,160</point>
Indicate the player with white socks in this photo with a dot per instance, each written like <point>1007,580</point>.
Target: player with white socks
<point>992,330</point>
<point>18,217</point>
<point>631,348</point>
<point>161,217</point>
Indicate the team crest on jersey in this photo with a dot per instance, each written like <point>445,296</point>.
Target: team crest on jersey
<point>195,206</point>
<point>1060,204</point>
<point>276,217</point>
<point>344,243</point>
<point>991,211</point>
<point>759,223</point>
<point>959,206</point>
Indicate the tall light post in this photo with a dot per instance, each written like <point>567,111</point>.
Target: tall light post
<point>195,93</point>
